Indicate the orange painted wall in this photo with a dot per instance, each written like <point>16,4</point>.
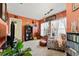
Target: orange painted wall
<point>72,15</point>
<point>58,15</point>
<point>3,32</point>
<point>25,21</point>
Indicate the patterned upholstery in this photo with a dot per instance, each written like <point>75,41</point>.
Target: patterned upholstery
<point>58,44</point>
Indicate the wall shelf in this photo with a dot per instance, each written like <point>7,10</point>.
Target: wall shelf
<point>74,41</point>
<point>73,33</point>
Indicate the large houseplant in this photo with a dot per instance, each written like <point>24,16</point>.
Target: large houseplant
<point>16,50</point>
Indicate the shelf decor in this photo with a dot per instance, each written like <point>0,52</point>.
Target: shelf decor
<point>74,26</point>
<point>75,6</point>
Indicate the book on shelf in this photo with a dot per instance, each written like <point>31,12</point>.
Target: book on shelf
<point>77,39</point>
<point>70,44</point>
<point>76,47</point>
<point>74,38</point>
<point>73,45</point>
<point>71,38</point>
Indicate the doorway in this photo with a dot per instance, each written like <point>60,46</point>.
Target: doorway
<point>18,28</point>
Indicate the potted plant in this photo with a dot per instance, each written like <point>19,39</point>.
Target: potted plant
<point>16,50</point>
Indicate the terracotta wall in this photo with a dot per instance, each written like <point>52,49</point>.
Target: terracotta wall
<point>25,21</point>
<point>58,15</point>
<point>72,16</point>
<point>3,32</point>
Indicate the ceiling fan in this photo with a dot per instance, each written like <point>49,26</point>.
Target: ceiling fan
<point>49,11</point>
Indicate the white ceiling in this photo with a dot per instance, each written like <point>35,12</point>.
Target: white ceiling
<point>35,10</point>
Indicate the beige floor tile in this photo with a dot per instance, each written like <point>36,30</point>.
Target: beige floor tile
<point>41,51</point>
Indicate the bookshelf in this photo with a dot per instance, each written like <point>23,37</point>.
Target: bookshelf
<point>72,44</point>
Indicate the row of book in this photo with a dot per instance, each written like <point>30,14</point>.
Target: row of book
<point>73,45</point>
<point>74,38</point>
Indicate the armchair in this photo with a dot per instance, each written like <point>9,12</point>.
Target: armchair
<point>58,43</point>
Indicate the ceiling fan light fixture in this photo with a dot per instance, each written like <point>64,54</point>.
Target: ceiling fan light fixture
<point>48,11</point>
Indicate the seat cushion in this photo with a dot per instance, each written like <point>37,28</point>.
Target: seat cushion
<point>43,41</point>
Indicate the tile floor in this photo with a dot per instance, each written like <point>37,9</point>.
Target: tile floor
<point>41,51</point>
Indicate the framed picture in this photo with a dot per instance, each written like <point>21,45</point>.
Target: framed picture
<point>75,6</point>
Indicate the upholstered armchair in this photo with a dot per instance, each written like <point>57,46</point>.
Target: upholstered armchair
<point>43,41</point>
<point>58,43</point>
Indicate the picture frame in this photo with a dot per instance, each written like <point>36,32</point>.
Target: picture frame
<point>75,6</point>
